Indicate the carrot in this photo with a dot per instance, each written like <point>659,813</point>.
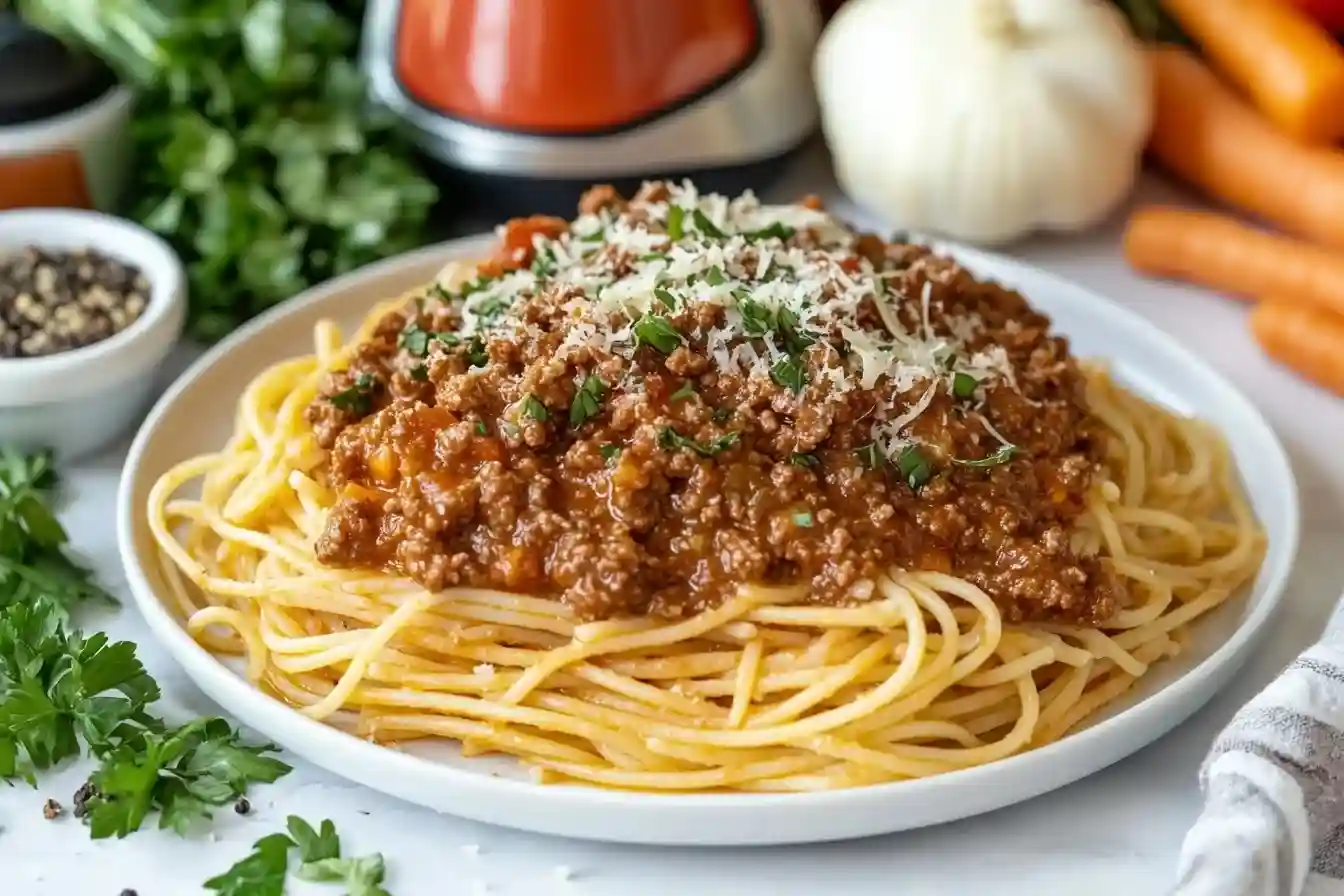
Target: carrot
<point>1305,339</point>
<point>1206,135</point>
<point>1222,253</point>
<point>1290,66</point>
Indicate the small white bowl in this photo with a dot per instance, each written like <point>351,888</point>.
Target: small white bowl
<point>77,401</point>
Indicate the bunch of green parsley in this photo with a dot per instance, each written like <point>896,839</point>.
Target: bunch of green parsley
<point>63,693</point>
<point>257,156</point>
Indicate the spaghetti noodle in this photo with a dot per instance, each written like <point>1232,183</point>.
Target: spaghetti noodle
<point>765,690</point>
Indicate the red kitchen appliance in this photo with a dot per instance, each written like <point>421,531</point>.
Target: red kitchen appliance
<point>525,101</point>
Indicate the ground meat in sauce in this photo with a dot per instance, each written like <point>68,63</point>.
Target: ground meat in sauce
<point>459,463</point>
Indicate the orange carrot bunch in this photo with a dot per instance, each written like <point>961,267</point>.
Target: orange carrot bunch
<point>1265,143</point>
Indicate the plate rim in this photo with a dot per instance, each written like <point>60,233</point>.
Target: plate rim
<point>332,749</point>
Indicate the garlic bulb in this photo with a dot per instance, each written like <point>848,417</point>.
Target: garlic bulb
<point>984,119</point>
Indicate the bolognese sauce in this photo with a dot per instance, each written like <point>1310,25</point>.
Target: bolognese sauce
<point>641,410</point>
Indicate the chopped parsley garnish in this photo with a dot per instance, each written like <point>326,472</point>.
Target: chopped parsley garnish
<point>419,373</point>
<point>914,467</point>
<point>687,390</point>
<point>790,374</point>
<point>1002,456</point>
<point>798,459</point>
<point>654,256</point>
<point>438,291</point>
<point>757,319</point>
<point>587,401</point>
<point>415,340</point>
<point>655,330</point>
<point>533,408</point>
<point>669,301</point>
<point>722,414</point>
<point>803,520</point>
<point>676,223</point>
<point>481,429</point>
<point>610,452</point>
<point>776,230</point>
<point>475,286</point>
<point>358,399</point>
<point>715,276</point>
<point>597,236</point>
<point>870,456</point>
<point>671,440</point>
<point>491,310</point>
<point>477,356</point>
<point>543,263</point>
<point>706,226</point>
<point>964,385</point>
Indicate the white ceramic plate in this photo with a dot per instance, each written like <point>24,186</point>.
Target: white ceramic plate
<point>196,415</point>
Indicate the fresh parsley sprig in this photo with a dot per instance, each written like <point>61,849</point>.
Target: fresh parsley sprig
<point>62,692</point>
<point>183,773</point>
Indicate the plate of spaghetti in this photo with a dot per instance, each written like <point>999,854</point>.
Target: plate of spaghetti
<point>696,520</point>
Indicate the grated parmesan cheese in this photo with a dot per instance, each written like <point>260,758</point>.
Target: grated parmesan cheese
<point>776,302</point>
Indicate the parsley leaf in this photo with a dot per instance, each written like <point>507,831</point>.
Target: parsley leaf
<point>668,300</point>
<point>314,845</point>
<point>790,374</point>
<point>914,467</point>
<point>722,415</point>
<point>271,173</point>
<point>676,223</point>
<point>532,407</point>
<point>587,401</point>
<point>420,373</point>
<point>362,876</point>
<point>803,520</point>
<point>964,385</point>
<point>803,460</point>
<point>671,440</point>
<point>358,398</point>
<point>686,391</point>
<point>184,772</point>
<point>480,428</point>
<point>260,873</point>
<point>32,541</point>
<point>57,688</point>
<point>477,356</point>
<point>715,276</point>
<point>777,230</point>
<point>870,456</point>
<point>415,340</point>
<point>544,264</point>
<point>610,452</point>
<point>706,226</point>
<point>1002,456</point>
<point>655,330</point>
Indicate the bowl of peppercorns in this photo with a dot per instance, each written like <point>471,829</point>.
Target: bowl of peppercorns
<point>90,307</point>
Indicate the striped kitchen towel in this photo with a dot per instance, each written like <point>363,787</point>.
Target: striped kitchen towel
<point>1273,820</point>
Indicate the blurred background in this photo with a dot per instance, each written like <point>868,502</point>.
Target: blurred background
<point>277,143</point>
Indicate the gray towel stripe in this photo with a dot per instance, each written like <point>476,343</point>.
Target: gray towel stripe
<point>1326,670</point>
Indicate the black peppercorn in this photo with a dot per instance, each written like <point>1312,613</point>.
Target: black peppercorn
<point>53,302</point>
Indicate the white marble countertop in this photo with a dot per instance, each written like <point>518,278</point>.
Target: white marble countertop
<point>1114,834</point>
